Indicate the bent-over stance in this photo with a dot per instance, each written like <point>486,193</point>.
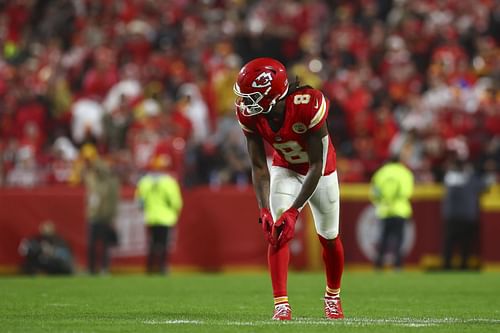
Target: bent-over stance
<point>293,121</point>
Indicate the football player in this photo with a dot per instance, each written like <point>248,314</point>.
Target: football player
<point>292,119</point>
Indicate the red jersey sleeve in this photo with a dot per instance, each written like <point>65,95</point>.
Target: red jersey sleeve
<point>318,111</point>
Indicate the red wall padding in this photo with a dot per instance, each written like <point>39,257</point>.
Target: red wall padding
<point>217,228</point>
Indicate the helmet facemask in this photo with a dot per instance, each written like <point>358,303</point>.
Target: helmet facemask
<point>248,104</point>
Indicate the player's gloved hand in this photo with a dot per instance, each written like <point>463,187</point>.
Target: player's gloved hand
<point>284,228</point>
<point>266,220</point>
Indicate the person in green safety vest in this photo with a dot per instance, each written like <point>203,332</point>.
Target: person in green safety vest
<point>159,195</point>
<point>391,191</point>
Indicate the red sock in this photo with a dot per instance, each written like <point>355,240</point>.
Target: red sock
<point>333,256</point>
<point>278,267</point>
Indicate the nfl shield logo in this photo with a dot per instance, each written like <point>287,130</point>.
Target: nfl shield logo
<point>299,128</point>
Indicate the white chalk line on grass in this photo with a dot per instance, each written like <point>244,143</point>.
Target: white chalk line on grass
<point>407,322</point>
<point>172,321</point>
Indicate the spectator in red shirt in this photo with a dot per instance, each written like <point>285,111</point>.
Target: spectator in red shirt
<point>103,75</point>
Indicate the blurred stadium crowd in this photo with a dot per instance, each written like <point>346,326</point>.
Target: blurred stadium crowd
<point>141,83</point>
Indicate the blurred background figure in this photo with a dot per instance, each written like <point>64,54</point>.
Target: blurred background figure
<point>62,156</point>
<point>25,172</point>
<point>102,189</point>
<point>159,195</point>
<point>86,120</point>
<point>46,252</point>
<point>391,191</point>
<point>461,212</point>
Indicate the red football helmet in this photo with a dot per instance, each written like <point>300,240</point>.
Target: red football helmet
<point>260,84</point>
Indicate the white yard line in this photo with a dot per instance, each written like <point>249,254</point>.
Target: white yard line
<point>172,321</point>
<point>407,322</point>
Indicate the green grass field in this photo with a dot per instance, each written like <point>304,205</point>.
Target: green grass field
<point>373,302</point>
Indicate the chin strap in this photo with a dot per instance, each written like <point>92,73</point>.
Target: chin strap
<point>279,98</point>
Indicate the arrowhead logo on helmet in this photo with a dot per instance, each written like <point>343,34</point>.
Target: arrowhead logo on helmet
<point>263,80</point>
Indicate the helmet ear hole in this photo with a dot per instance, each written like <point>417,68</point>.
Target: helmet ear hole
<point>260,84</point>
